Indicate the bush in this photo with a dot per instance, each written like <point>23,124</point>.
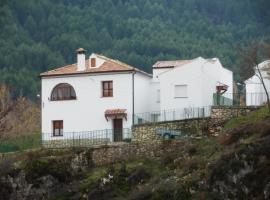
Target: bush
<point>261,128</point>
<point>38,167</point>
<point>164,190</point>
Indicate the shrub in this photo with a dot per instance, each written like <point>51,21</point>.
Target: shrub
<point>38,167</point>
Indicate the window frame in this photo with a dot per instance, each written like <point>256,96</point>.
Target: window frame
<point>93,62</point>
<point>60,128</point>
<point>186,95</point>
<point>107,92</point>
<point>58,92</point>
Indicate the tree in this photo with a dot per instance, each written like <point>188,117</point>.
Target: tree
<point>251,58</point>
<point>267,55</point>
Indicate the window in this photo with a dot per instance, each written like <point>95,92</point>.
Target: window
<point>58,128</point>
<point>93,62</point>
<point>63,91</point>
<point>180,91</point>
<point>107,89</point>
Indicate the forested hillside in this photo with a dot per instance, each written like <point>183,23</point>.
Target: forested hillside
<point>37,35</point>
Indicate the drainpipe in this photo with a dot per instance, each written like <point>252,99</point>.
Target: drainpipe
<point>133,107</point>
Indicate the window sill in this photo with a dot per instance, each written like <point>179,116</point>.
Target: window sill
<point>180,97</point>
<point>57,135</point>
<point>107,97</point>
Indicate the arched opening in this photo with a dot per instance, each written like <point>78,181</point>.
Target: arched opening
<point>63,91</point>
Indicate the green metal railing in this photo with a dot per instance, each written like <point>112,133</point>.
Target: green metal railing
<point>239,99</point>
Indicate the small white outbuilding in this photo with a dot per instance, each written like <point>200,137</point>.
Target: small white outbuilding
<point>189,83</point>
<point>255,93</point>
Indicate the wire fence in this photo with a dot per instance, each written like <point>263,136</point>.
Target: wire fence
<point>172,115</point>
<point>86,138</point>
<point>239,99</point>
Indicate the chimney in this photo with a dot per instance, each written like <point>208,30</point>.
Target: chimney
<point>81,59</point>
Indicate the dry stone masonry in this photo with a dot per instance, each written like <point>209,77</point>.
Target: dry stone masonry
<point>212,125</point>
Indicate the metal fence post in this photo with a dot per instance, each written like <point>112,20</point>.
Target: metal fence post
<point>73,142</point>
<point>107,138</point>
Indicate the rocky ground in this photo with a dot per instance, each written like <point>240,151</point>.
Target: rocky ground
<point>234,165</point>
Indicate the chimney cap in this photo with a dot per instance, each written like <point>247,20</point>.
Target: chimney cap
<point>80,50</point>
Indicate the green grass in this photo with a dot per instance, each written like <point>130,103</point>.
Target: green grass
<point>20,143</point>
<point>249,118</point>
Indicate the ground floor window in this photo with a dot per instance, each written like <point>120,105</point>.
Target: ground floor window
<point>58,128</point>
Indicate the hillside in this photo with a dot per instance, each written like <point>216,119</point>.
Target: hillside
<point>234,165</point>
<point>37,35</point>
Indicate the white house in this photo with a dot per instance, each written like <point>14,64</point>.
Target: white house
<point>188,83</point>
<point>102,98</point>
<point>94,94</point>
<point>255,93</point>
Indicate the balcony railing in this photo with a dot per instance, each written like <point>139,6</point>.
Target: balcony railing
<point>86,138</point>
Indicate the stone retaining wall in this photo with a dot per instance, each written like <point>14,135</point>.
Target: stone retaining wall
<point>108,154</point>
<point>224,113</point>
<point>212,125</point>
<point>146,132</point>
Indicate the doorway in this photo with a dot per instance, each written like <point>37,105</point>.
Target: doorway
<point>117,130</point>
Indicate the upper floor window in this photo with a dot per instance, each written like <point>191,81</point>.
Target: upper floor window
<point>180,91</point>
<point>63,91</point>
<point>107,89</point>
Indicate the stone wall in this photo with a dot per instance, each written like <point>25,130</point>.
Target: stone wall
<point>147,132</point>
<point>212,125</point>
<point>108,154</point>
<point>225,113</point>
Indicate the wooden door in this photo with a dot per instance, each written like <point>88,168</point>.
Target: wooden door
<point>118,130</point>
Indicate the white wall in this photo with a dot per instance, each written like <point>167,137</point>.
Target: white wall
<point>141,93</point>
<point>189,75</point>
<point>159,71</point>
<point>154,104</point>
<point>201,77</point>
<point>255,93</point>
<point>214,74</point>
<point>86,113</point>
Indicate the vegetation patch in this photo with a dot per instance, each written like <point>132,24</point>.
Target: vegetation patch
<point>250,118</point>
<point>58,167</point>
<point>20,143</point>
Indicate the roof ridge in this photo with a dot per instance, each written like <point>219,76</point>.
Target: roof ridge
<point>58,68</point>
<point>173,60</point>
<point>122,63</point>
<point>115,61</point>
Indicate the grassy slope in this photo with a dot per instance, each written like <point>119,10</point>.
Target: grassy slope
<point>20,143</point>
<point>250,118</point>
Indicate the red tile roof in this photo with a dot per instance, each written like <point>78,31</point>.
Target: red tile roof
<point>115,111</point>
<point>109,66</point>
